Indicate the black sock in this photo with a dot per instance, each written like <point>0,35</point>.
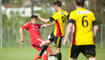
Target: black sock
<point>59,56</point>
<point>43,49</point>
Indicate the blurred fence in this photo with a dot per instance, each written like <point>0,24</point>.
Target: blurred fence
<point>100,39</point>
<point>11,39</point>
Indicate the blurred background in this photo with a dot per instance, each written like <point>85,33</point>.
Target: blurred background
<point>15,13</point>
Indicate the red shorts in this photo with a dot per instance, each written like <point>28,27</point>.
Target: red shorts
<point>37,42</point>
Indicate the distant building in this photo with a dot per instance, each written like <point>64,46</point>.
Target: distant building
<point>23,8</point>
<point>24,12</point>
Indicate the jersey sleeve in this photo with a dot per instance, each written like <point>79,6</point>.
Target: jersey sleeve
<point>72,17</point>
<point>93,17</point>
<point>54,17</point>
<point>39,25</point>
<point>26,26</point>
<point>93,20</point>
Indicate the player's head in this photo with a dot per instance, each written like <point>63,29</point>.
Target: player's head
<point>57,4</point>
<point>34,19</point>
<point>79,3</point>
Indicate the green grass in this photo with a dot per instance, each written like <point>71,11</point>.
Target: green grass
<point>28,53</point>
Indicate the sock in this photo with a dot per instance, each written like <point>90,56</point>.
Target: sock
<point>43,49</point>
<point>59,56</point>
<point>49,50</point>
<point>45,57</point>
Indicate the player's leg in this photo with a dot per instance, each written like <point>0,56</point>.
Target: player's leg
<point>49,50</point>
<point>38,48</point>
<point>45,46</point>
<point>90,52</point>
<point>37,43</point>
<point>71,59</point>
<point>92,58</point>
<point>42,42</point>
<point>74,52</point>
<point>45,55</point>
<point>58,53</point>
<point>57,41</point>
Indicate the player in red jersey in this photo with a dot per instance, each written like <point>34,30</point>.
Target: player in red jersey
<point>36,40</point>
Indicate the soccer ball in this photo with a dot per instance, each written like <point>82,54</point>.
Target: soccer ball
<point>52,58</point>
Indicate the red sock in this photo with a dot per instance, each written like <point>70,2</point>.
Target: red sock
<point>49,50</point>
<point>45,57</point>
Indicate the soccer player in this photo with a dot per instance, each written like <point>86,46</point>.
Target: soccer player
<point>36,40</point>
<point>83,36</point>
<point>56,36</point>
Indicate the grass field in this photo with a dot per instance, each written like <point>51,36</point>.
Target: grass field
<point>27,53</point>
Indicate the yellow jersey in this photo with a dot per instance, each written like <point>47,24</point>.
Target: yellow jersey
<point>83,20</point>
<point>59,17</point>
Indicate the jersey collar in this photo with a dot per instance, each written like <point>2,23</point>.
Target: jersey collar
<point>80,8</point>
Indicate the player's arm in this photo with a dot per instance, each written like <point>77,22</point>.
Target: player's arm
<point>95,27</point>
<point>47,25</point>
<point>95,30</point>
<point>53,18</point>
<point>68,30</point>
<point>69,27</point>
<point>26,26</point>
<point>42,19</point>
<point>21,34</point>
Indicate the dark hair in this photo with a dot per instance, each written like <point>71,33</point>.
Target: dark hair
<point>58,3</point>
<point>80,2</point>
<point>34,16</point>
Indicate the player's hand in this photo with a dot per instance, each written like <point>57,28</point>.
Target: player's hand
<point>38,15</point>
<point>94,39</point>
<point>22,40</point>
<point>64,42</point>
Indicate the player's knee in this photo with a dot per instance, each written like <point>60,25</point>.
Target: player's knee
<point>92,58</point>
<point>45,52</point>
<point>71,59</point>
<point>47,42</point>
<point>57,50</point>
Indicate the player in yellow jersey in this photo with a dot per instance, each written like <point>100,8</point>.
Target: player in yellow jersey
<point>83,37</point>
<point>56,36</point>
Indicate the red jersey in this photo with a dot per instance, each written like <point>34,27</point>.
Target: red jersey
<point>33,29</point>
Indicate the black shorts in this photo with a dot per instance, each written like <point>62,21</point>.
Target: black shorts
<point>87,50</point>
<point>56,40</point>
